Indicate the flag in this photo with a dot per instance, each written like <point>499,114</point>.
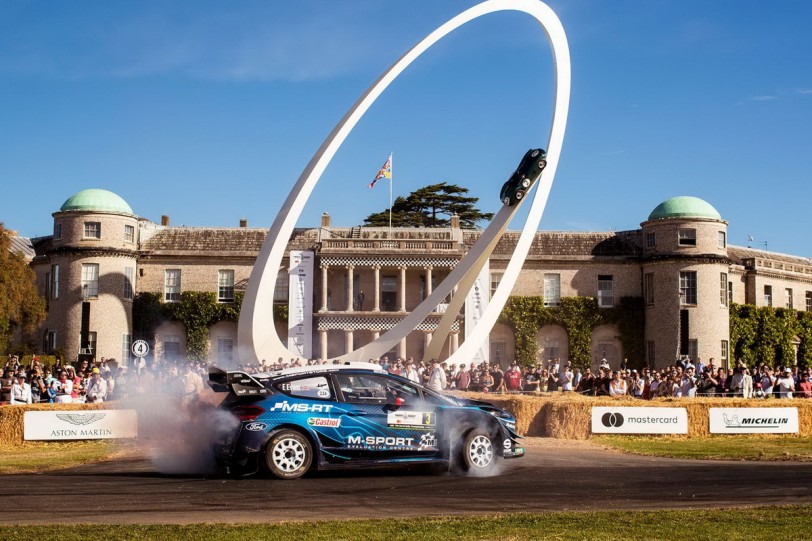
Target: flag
<point>385,172</point>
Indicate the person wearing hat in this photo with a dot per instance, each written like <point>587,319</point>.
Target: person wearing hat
<point>96,387</point>
<point>785,383</point>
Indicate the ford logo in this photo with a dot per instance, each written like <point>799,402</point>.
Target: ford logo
<point>256,427</point>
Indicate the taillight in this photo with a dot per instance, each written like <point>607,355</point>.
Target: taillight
<point>248,413</point>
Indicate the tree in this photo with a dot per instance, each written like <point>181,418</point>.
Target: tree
<point>20,303</point>
<point>431,206</point>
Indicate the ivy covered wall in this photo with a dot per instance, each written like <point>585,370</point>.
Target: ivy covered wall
<point>579,316</point>
<point>196,310</point>
<point>765,334</point>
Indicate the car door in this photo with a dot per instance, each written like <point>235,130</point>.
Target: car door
<point>385,417</point>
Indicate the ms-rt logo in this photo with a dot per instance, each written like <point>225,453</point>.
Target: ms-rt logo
<point>612,420</point>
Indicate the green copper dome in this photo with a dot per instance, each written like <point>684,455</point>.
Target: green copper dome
<point>98,200</point>
<point>684,206</point>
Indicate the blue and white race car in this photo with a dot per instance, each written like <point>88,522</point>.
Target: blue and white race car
<point>354,415</point>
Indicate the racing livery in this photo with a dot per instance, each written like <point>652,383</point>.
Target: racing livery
<point>353,415</point>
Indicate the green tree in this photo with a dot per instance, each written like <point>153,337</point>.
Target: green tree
<point>20,303</point>
<point>431,206</point>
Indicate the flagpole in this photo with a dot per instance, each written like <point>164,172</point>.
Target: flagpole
<point>390,195</point>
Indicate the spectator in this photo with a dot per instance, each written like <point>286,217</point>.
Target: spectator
<point>513,378</point>
<point>785,384</point>
<point>463,378</point>
<point>410,372</point>
<point>687,383</point>
<point>587,384</point>
<point>437,377</point>
<point>20,391</point>
<point>638,385</point>
<point>552,379</point>
<point>498,379</point>
<point>192,385</point>
<point>747,383</point>
<point>96,387</point>
<point>63,388</point>
<point>736,381</point>
<point>767,381</point>
<point>653,385</point>
<point>6,384</point>
<point>617,387</point>
<point>576,377</point>
<point>111,385</point>
<point>565,377</point>
<point>804,387</point>
<point>531,380</point>
<point>486,381</point>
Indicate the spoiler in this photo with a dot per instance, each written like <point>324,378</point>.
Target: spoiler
<point>239,383</point>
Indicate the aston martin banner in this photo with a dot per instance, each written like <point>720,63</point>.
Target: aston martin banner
<point>300,303</point>
<point>80,424</point>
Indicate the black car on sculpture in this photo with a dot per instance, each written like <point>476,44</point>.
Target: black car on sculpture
<point>353,415</point>
<point>528,172</point>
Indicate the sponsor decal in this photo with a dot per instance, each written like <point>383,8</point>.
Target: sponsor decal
<point>510,425</point>
<point>256,427</point>
<point>324,421</point>
<point>284,406</point>
<point>93,425</point>
<point>506,444</point>
<point>81,418</point>
<point>411,419</point>
<point>753,420</point>
<point>323,393</point>
<point>428,442</point>
<point>379,443</point>
<point>643,420</point>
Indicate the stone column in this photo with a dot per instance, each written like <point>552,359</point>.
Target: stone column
<point>323,335</point>
<point>348,340</point>
<point>377,303</point>
<point>402,348</point>
<point>429,286</point>
<point>426,340</point>
<point>323,288</point>
<point>376,334</point>
<point>403,288</point>
<point>455,342</point>
<point>350,287</point>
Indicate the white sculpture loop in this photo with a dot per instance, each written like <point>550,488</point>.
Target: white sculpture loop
<point>257,338</point>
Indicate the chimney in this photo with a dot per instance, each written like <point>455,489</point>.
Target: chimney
<point>455,221</point>
<point>325,219</point>
<point>243,222</point>
<point>164,219</point>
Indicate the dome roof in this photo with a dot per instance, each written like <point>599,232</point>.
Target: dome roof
<point>96,199</point>
<point>684,206</point>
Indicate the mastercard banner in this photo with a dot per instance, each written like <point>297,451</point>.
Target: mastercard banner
<point>629,420</point>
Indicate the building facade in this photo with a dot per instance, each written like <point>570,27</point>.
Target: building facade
<point>365,280</point>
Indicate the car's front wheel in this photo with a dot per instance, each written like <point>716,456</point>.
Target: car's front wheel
<point>288,455</point>
<point>479,455</point>
<point>542,164</point>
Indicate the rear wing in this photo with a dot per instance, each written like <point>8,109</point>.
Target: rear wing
<point>238,383</point>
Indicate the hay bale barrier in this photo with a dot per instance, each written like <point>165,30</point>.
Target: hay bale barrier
<point>569,416</point>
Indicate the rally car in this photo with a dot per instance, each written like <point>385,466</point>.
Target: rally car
<point>353,415</point>
<point>529,170</point>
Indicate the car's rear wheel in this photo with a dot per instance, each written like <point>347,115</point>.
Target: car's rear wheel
<point>288,455</point>
<point>525,182</point>
<point>479,455</point>
<point>506,201</point>
<point>519,195</point>
<point>542,164</point>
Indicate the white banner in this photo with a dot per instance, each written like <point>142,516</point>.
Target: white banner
<point>80,424</point>
<point>753,420</point>
<point>300,303</point>
<point>475,304</point>
<point>632,420</point>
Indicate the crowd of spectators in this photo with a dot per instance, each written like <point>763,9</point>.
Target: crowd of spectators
<point>95,381</point>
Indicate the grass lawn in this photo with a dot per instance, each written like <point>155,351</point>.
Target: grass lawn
<point>743,524</point>
<point>714,447</point>
<point>44,456</point>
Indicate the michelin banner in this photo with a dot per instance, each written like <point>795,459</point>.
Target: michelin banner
<point>475,304</point>
<point>300,303</point>
<point>80,425</point>
<point>631,420</point>
<point>753,420</point>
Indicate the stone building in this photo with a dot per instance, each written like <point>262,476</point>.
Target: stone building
<point>101,254</point>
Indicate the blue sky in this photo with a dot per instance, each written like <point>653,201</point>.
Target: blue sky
<point>209,111</point>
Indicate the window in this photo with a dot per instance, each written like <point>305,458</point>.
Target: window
<point>648,288</point>
<point>129,280</point>
<point>552,289</point>
<point>364,389</point>
<point>171,346</point>
<point>314,387</point>
<point>129,233</point>
<point>496,279</point>
<point>126,345</point>
<point>768,295</point>
<point>650,240</point>
<point>552,349</point>
<point>91,342</point>
<point>606,296</point>
<point>57,231</point>
<point>693,349</point>
<point>92,230</point>
<point>225,286</point>
<point>809,301</point>
<point>723,288</point>
<point>650,353</point>
<point>225,351</point>
<point>50,342</point>
<point>54,281</point>
<point>725,352</point>
<point>687,287</point>
<point>687,237</point>
<point>730,293</point>
<point>280,292</point>
<point>722,239</point>
<point>90,280</point>
<point>498,351</point>
<point>788,295</point>
<point>172,285</point>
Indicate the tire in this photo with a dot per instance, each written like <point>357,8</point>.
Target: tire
<point>288,455</point>
<point>519,194</point>
<point>542,164</point>
<point>534,153</point>
<point>506,201</point>
<point>525,183</point>
<point>479,455</point>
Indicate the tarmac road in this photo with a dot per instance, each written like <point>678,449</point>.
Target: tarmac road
<point>555,475</point>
